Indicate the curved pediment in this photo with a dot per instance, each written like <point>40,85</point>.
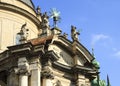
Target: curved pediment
<point>64,49</point>
<point>64,56</point>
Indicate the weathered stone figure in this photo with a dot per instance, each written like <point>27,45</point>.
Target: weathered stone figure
<point>65,35</point>
<point>23,34</point>
<point>45,22</point>
<point>38,10</point>
<point>74,33</point>
<point>45,25</point>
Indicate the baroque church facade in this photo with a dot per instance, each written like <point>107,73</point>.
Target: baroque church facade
<point>34,54</point>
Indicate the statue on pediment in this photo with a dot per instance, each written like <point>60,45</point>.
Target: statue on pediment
<point>74,33</point>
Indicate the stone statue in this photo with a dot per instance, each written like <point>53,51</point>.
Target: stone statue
<point>38,10</point>
<point>65,35</point>
<point>74,33</point>
<point>23,34</point>
<point>45,21</point>
<point>45,27</point>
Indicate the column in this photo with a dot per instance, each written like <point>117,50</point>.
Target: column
<point>23,71</point>
<point>23,80</point>
<point>35,73</point>
<point>12,78</point>
<point>47,82</point>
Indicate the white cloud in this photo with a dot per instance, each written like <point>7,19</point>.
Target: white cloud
<point>114,49</point>
<point>98,37</point>
<point>117,54</point>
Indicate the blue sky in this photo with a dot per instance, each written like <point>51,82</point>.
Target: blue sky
<point>99,21</point>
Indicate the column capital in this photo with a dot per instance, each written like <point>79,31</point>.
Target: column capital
<point>23,66</point>
<point>35,64</point>
<point>47,73</point>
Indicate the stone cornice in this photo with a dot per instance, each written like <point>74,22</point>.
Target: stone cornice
<point>20,11</point>
<point>79,68</point>
<point>9,57</point>
<point>5,54</point>
<point>26,49</point>
<point>87,53</point>
<point>76,69</point>
<point>79,46</point>
<point>52,55</point>
<point>62,67</point>
<point>21,49</point>
<point>65,40</point>
<point>88,72</point>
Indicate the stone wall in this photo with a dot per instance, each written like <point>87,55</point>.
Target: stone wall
<point>10,25</point>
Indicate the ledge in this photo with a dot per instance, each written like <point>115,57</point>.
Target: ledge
<point>62,67</point>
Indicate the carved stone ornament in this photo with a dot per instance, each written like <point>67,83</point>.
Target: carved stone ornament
<point>58,83</point>
<point>23,66</point>
<point>47,72</point>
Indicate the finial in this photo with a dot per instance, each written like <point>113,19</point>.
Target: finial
<point>74,33</point>
<point>55,15</point>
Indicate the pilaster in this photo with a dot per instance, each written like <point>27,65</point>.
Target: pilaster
<point>35,73</point>
<point>23,71</point>
<point>87,82</point>
<point>81,80</point>
<point>23,80</point>
<point>12,78</point>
